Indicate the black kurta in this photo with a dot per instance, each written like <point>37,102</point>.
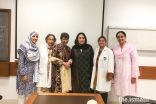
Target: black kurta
<point>81,68</point>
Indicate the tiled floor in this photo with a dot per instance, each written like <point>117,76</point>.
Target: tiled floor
<point>8,102</point>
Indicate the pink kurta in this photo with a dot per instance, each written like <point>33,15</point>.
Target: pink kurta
<point>126,67</point>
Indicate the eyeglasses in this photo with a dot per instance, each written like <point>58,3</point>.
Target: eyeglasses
<point>118,37</point>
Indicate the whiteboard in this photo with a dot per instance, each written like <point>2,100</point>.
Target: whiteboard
<point>141,38</point>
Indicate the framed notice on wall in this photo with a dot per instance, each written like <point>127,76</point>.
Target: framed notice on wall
<point>5,37</point>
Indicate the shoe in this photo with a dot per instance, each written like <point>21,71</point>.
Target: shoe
<point>1,97</point>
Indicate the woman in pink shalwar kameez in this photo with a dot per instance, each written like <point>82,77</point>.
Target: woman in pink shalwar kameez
<point>126,67</point>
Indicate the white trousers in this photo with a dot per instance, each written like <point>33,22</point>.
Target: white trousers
<point>43,89</point>
<point>22,98</point>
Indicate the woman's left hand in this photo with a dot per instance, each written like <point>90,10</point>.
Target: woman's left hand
<point>133,80</point>
<point>67,65</point>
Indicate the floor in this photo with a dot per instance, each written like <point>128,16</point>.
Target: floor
<point>8,102</point>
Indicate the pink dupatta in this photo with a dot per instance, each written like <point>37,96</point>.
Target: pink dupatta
<point>127,49</point>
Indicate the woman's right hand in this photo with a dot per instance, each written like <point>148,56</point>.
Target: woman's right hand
<point>66,65</point>
<point>24,79</point>
<point>109,76</point>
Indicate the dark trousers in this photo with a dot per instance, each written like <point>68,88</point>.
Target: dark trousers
<point>103,95</point>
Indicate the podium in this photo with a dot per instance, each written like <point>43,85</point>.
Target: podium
<point>63,98</point>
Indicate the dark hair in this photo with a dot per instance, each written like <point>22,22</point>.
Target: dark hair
<point>102,37</point>
<point>64,35</point>
<point>46,39</point>
<point>76,40</point>
<point>122,32</point>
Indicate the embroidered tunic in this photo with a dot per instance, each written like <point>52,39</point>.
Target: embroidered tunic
<point>126,67</point>
<point>63,53</point>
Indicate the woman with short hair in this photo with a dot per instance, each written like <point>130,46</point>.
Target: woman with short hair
<point>61,72</point>
<point>45,65</point>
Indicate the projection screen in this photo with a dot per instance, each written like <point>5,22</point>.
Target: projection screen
<point>57,16</point>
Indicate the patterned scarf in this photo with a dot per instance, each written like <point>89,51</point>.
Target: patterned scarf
<point>30,49</point>
<point>49,48</point>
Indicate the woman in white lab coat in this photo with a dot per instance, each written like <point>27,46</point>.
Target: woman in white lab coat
<point>103,69</point>
<point>45,66</point>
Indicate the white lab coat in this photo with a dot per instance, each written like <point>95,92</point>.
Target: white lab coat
<point>105,65</point>
<point>43,81</point>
